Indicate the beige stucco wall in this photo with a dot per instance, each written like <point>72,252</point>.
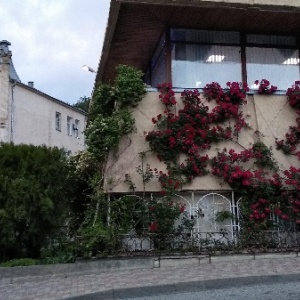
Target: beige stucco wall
<point>34,121</point>
<point>269,117</point>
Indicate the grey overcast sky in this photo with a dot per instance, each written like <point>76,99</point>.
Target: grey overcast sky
<point>52,39</point>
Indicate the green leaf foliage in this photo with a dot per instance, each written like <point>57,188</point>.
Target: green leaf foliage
<point>109,114</point>
<point>103,102</point>
<point>105,133</point>
<point>33,198</point>
<point>129,86</point>
<point>83,103</point>
<point>83,168</point>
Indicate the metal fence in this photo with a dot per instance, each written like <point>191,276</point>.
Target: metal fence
<point>209,243</point>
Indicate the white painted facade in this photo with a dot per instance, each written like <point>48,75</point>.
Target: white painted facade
<point>28,116</point>
<point>34,116</point>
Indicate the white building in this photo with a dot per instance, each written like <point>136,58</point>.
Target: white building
<point>29,116</point>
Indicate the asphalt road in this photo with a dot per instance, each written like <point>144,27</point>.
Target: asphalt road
<point>284,291</point>
<point>283,287</point>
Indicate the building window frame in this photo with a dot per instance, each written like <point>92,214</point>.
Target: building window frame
<point>69,125</point>
<point>246,40</point>
<point>58,121</point>
<point>76,128</point>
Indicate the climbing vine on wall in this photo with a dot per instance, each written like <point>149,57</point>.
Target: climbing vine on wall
<point>110,118</point>
<point>181,140</point>
<point>110,115</point>
<point>158,213</point>
<point>195,127</point>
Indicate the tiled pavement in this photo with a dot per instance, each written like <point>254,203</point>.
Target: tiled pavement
<point>67,285</point>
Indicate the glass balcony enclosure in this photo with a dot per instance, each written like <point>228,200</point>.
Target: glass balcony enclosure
<point>198,57</point>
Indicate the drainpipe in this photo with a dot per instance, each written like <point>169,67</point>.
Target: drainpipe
<point>12,112</point>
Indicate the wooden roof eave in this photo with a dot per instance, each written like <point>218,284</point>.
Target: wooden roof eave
<point>262,4</point>
<point>110,29</point>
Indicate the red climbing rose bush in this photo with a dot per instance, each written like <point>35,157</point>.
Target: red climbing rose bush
<point>292,195</point>
<point>234,94</point>
<point>260,189</point>
<point>228,102</point>
<point>293,95</point>
<point>162,214</point>
<point>167,95</point>
<point>265,87</point>
<point>292,138</point>
<point>193,129</point>
<point>182,137</point>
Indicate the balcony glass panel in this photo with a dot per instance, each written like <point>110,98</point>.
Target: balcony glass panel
<point>193,66</point>
<point>159,70</point>
<point>279,66</point>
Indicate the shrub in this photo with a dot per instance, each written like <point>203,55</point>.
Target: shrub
<point>33,198</point>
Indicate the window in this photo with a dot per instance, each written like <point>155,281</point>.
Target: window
<point>76,128</point>
<point>274,58</point>
<point>69,125</point>
<point>158,64</point>
<point>58,121</point>
<point>198,57</point>
<point>280,66</point>
<point>193,66</point>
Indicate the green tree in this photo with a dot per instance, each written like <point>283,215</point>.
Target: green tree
<point>83,103</point>
<point>34,183</point>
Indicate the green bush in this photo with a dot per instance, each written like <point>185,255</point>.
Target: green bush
<point>93,241</point>
<point>34,183</point>
<point>19,262</point>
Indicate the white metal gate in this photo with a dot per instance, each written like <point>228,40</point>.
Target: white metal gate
<point>205,209</point>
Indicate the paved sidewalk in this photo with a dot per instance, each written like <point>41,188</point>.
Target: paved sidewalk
<point>74,285</point>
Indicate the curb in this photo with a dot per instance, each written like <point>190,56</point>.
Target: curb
<point>80,267</point>
<point>94,266</point>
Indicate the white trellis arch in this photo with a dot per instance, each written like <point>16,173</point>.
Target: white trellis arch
<point>239,215</point>
<point>183,200</point>
<point>204,209</point>
<point>210,205</point>
<point>187,202</point>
